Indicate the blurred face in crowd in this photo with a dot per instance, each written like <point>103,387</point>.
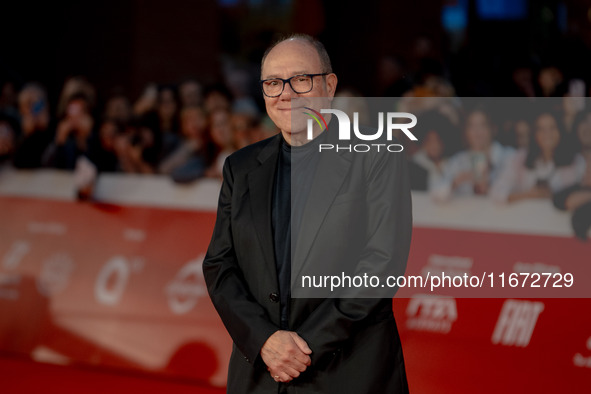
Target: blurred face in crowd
<point>6,138</point>
<point>122,144</point>
<point>478,131</point>
<point>77,121</point>
<point>33,108</point>
<point>547,133</point>
<point>389,71</point>
<point>77,113</point>
<point>73,86</point>
<point>287,59</point>
<point>118,108</point>
<point>221,130</point>
<point>549,78</point>
<point>523,79</point>
<point>522,131</point>
<point>31,100</point>
<point>7,95</point>
<point>190,92</point>
<point>108,134</point>
<point>193,122</point>
<point>433,146</point>
<point>584,132</point>
<point>76,108</point>
<point>216,101</point>
<point>146,137</point>
<point>167,105</point>
<point>241,129</point>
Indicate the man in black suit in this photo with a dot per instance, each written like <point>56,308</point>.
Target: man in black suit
<point>350,207</point>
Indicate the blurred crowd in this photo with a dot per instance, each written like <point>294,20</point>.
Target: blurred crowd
<point>534,148</point>
<point>183,131</point>
<point>504,149</point>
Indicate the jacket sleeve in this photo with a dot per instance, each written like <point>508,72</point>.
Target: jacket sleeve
<point>245,319</point>
<point>389,206</point>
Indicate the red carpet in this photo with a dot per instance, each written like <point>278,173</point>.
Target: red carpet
<point>20,376</point>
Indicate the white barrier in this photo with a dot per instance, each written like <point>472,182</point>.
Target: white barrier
<point>537,217</point>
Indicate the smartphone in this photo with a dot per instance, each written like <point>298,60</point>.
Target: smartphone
<point>38,106</point>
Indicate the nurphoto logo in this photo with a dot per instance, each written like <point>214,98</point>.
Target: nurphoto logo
<point>374,135</point>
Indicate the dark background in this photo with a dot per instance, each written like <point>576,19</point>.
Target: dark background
<point>126,44</point>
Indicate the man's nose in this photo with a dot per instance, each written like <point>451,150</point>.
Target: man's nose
<point>288,92</point>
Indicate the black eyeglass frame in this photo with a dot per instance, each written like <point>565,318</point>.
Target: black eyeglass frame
<point>288,80</point>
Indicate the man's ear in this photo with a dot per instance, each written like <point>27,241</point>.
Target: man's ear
<point>331,84</point>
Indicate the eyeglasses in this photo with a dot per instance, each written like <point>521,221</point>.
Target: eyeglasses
<point>300,84</point>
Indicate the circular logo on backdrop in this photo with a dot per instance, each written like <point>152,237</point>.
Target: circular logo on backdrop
<point>589,343</point>
<point>112,280</point>
<point>55,274</point>
<point>184,291</point>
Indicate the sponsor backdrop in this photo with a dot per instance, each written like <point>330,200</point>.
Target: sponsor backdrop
<point>117,285</point>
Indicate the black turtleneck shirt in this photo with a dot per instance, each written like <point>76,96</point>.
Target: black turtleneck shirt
<point>293,181</point>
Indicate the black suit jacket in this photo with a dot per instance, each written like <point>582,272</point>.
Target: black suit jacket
<point>355,342</point>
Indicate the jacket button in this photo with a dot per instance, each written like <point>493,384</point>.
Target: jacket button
<point>274,297</point>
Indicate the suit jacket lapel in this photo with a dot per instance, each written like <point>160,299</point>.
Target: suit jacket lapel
<point>260,185</point>
<point>332,169</point>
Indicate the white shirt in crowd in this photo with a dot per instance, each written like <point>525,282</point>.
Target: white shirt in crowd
<point>465,161</point>
<point>517,178</point>
<point>434,171</point>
